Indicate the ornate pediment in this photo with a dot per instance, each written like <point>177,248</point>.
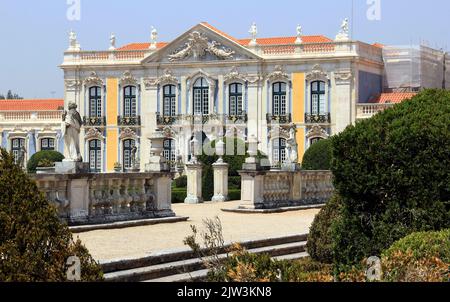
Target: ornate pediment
<point>317,74</point>
<point>128,79</point>
<point>94,133</point>
<point>127,133</point>
<point>167,78</point>
<point>93,80</point>
<point>279,132</point>
<point>278,74</point>
<point>317,131</point>
<point>234,75</point>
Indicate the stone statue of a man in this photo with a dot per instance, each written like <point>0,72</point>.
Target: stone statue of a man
<point>292,146</point>
<point>71,127</point>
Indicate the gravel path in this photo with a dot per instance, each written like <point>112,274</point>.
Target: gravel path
<point>142,241</point>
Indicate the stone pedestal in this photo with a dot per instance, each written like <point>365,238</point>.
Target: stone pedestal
<point>157,162</point>
<point>194,184</point>
<point>252,190</point>
<point>79,200</point>
<point>71,167</point>
<point>163,192</point>
<point>220,182</point>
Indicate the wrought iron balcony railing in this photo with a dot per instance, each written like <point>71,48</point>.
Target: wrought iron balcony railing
<point>94,121</point>
<point>166,120</point>
<point>129,120</point>
<point>322,118</point>
<point>279,119</point>
<point>237,118</point>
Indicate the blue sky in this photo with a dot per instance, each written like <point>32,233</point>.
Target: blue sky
<point>33,34</point>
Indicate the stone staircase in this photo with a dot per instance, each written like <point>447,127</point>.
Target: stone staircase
<point>184,266</point>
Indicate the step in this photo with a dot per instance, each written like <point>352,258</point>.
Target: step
<point>196,276</point>
<point>184,254</point>
<point>296,256</point>
<point>189,265</point>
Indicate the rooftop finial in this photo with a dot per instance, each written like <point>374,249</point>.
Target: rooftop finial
<point>299,35</point>
<point>343,34</point>
<point>73,43</point>
<point>253,32</point>
<point>112,41</point>
<point>153,38</point>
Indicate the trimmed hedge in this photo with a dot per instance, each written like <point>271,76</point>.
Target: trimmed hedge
<point>320,244</point>
<point>392,174</point>
<point>34,244</point>
<point>181,182</point>
<point>40,156</point>
<point>418,257</point>
<point>318,156</point>
<point>179,195</point>
<point>234,194</point>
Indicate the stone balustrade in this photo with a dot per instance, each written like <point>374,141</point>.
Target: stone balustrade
<point>364,111</point>
<point>30,117</point>
<point>276,189</point>
<point>110,197</point>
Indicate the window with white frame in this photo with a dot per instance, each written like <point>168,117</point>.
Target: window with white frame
<point>47,144</point>
<point>235,99</point>
<point>169,100</point>
<point>170,150</point>
<point>318,104</point>
<point>128,146</point>
<point>16,147</point>
<point>279,103</point>
<point>95,155</point>
<point>95,101</point>
<point>129,101</point>
<point>201,97</point>
<point>279,150</point>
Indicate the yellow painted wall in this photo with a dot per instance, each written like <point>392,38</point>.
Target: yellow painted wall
<point>298,99</point>
<point>112,133</point>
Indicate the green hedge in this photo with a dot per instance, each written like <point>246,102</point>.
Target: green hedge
<point>179,195</point>
<point>234,194</point>
<point>392,174</point>
<point>180,182</point>
<point>234,182</point>
<point>318,156</point>
<point>52,156</point>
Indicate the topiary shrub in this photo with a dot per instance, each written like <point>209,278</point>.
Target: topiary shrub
<point>392,174</point>
<point>49,156</point>
<point>34,244</point>
<point>320,239</point>
<point>318,156</point>
<point>419,257</point>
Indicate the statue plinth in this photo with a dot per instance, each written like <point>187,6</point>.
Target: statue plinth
<point>71,167</point>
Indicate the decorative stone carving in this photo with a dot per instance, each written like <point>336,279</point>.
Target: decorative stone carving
<point>198,46</point>
<point>317,131</point>
<point>150,83</point>
<point>344,77</point>
<point>343,34</point>
<point>128,79</point>
<point>234,75</point>
<point>73,43</point>
<point>71,127</point>
<point>278,74</point>
<point>167,78</point>
<point>127,133</point>
<point>93,80</point>
<point>93,133</point>
<point>278,131</point>
<point>317,74</point>
<point>72,85</point>
<point>292,146</point>
<point>254,33</point>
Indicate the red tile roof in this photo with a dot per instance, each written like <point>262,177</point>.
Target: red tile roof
<point>243,42</point>
<point>392,97</point>
<point>379,45</point>
<point>32,105</point>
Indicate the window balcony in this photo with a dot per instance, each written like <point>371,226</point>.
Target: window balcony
<point>237,118</point>
<point>94,121</point>
<point>166,120</point>
<point>129,121</point>
<point>322,118</point>
<point>279,119</point>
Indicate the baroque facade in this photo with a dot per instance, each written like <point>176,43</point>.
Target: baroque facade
<point>208,84</point>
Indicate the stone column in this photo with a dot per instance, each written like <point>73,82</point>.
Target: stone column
<point>163,188</point>
<point>220,182</point>
<point>194,183</point>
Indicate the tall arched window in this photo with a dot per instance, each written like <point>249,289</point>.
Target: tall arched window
<point>169,100</point>
<point>16,145</point>
<point>170,150</point>
<point>128,146</point>
<point>95,102</point>
<point>279,99</point>
<point>279,150</point>
<point>235,99</point>
<point>95,155</point>
<point>129,101</point>
<point>318,97</point>
<point>47,144</point>
<point>314,140</point>
<point>201,97</point>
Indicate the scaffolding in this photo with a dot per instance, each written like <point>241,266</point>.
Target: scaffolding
<point>412,68</point>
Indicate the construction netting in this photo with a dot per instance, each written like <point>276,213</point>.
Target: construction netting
<point>413,67</point>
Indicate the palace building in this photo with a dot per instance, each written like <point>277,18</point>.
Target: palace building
<point>208,84</point>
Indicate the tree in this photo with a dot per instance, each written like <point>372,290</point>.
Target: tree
<point>318,156</point>
<point>11,96</point>
<point>34,244</point>
<point>392,172</point>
